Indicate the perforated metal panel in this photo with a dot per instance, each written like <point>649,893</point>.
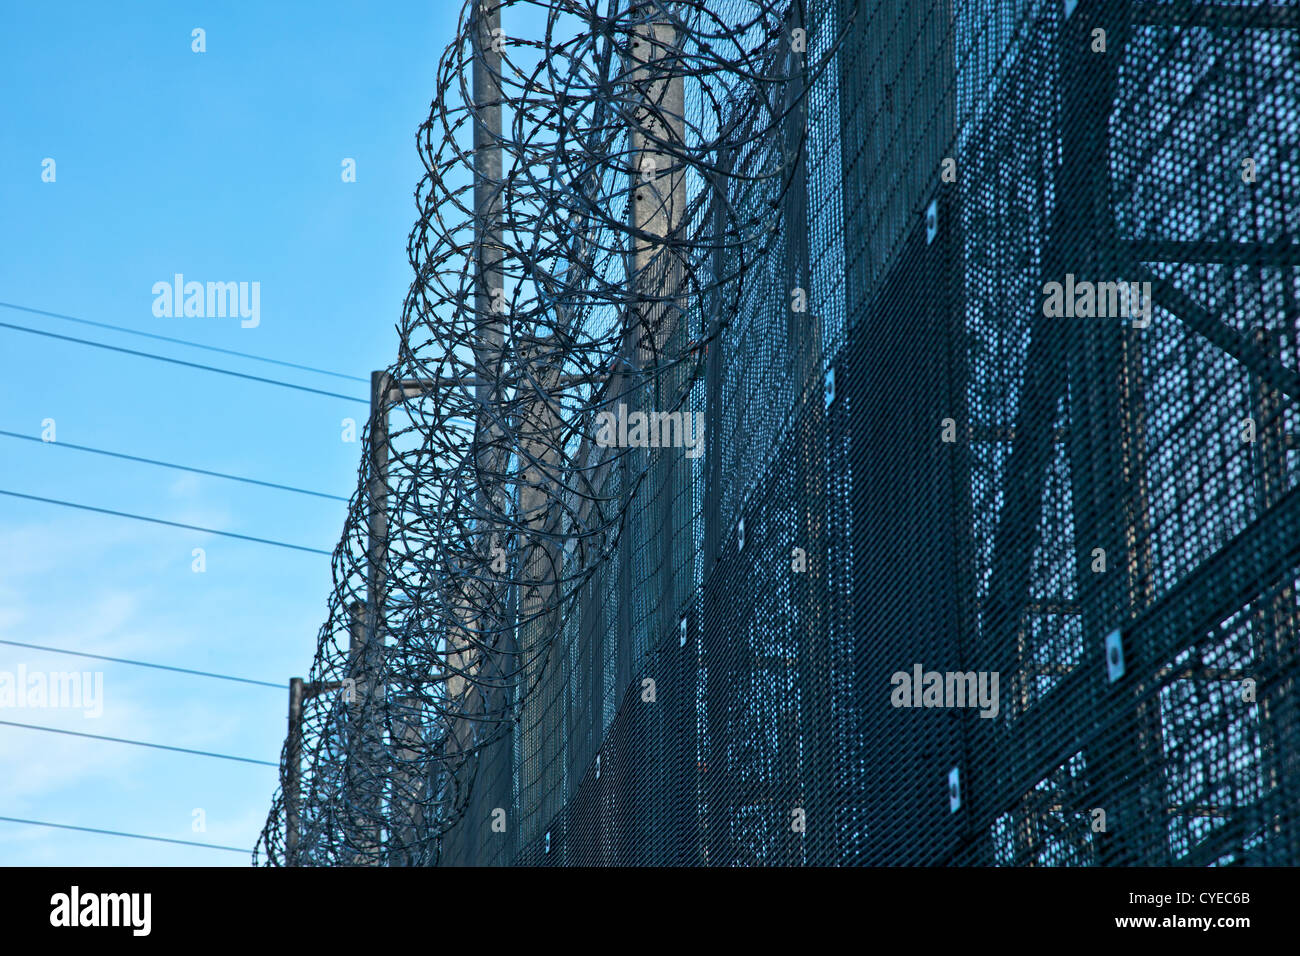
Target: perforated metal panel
<point>773,739</point>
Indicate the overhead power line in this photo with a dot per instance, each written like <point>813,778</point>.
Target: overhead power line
<point>168,464</point>
<point>138,743</point>
<point>174,361</point>
<point>170,524</point>
<point>120,833</point>
<point>193,345</point>
<point>161,667</point>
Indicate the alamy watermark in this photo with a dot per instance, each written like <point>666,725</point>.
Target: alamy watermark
<point>624,429</point>
<point>55,690</point>
<point>130,910</point>
<point>922,688</point>
<point>213,300</point>
<point>1086,300</point>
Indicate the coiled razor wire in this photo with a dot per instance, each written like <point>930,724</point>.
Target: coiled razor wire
<point>576,204</point>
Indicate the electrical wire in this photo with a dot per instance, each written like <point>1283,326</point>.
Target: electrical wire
<point>120,833</point>
<point>137,743</point>
<point>161,667</point>
<point>167,464</point>
<point>161,521</point>
<point>185,342</point>
<point>181,362</point>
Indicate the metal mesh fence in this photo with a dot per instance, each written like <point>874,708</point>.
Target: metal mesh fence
<point>990,552</point>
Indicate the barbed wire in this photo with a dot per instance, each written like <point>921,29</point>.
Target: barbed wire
<point>579,208</point>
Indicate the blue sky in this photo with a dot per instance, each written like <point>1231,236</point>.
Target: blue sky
<point>223,166</point>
